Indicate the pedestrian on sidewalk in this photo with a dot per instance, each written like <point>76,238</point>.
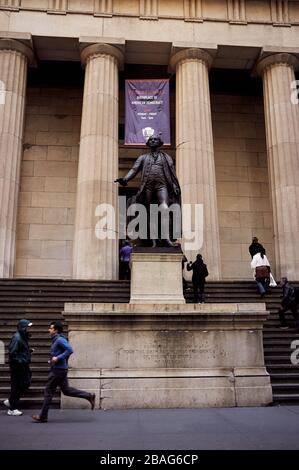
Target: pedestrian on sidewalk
<point>200,272</point>
<point>60,353</point>
<point>289,302</point>
<point>19,360</point>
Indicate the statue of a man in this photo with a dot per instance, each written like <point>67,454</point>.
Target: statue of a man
<point>159,184</point>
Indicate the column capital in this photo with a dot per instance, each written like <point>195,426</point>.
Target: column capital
<point>182,52</point>
<point>98,46</point>
<point>9,44</point>
<point>278,58</point>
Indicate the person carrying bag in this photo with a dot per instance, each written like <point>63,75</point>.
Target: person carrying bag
<point>261,265</point>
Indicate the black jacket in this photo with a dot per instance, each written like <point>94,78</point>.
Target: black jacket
<point>200,271</point>
<point>19,351</point>
<point>255,248</point>
<point>288,295</point>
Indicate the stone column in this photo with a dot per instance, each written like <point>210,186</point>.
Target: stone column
<point>96,258</point>
<point>194,150</point>
<point>282,134</point>
<point>14,57</point>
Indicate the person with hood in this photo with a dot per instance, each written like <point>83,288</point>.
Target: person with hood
<point>200,272</point>
<point>19,360</point>
<point>60,353</point>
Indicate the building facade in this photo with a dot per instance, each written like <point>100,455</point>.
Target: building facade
<point>234,117</point>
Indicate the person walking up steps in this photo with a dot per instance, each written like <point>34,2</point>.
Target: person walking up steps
<point>200,272</point>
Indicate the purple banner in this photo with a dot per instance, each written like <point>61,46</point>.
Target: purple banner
<point>147,111</point>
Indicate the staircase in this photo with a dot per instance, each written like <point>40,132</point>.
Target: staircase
<point>277,343</point>
<point>42,301</point>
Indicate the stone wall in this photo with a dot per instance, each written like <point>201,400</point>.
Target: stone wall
<point>242,181</point>
<point>49,169</point>
<point>48,183</point>
<point>278,12</point>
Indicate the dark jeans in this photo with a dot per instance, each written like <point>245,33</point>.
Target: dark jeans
<point>283,309</point>
<point>198,291</point>
<point>58,378</point>
<point>124,270</point>
<point>20,378</point>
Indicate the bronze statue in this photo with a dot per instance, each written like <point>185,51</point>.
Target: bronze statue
<point>159,184</point>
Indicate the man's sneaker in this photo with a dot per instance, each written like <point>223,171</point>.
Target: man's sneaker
<point>38,419</point>
<point>14,413</point>
<point>92,401</point>
<point>6,403</point>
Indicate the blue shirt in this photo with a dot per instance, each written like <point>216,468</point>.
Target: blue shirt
<point>61,349</point>
<point>125,253</point>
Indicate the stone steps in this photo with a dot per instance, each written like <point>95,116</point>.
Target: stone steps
<point>42,301</point>
<point>286,398</point>
<point>285,378</point>
<point>277,359</point>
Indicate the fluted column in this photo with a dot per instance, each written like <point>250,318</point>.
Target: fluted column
<point>14,57</point>
<point>282,134</point>
<point>194,149</point>
<point>96,258</point>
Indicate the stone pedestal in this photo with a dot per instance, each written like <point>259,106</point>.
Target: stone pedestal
<point>168,356</point>
<point>156,277</point>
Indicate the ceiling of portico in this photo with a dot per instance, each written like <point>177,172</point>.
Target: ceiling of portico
<point>236,57</point>
<point>145,52</point>
<point>56,48</point>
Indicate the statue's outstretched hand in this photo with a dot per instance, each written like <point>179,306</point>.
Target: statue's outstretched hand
<point>121,181</point>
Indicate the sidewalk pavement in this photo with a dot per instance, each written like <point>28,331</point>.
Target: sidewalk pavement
<point>173,429</point>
